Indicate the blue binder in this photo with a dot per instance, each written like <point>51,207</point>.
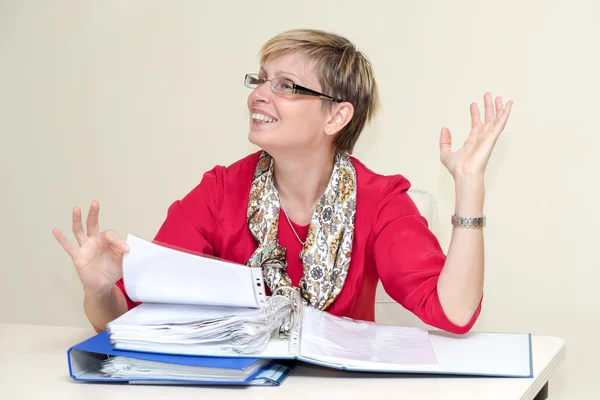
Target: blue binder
<point>85,360</point>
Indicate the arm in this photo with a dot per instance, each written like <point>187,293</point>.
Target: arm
<point>98,259</point>
<point>102,308</point>
<point>460,285</point>
<point>409,259</point>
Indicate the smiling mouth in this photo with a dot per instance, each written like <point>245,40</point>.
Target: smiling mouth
<point>263,119</point>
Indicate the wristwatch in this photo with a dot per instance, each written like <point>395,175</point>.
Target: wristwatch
<point>468,222</point>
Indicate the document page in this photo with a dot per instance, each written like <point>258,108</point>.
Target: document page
<point>133,368</point>
<point>363,345</point>
<point>201,330</point>
<point>156,274</point>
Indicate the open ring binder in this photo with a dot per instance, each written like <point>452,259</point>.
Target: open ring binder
<point>240,323</point>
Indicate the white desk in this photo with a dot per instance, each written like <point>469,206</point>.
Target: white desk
<point>33,365</point>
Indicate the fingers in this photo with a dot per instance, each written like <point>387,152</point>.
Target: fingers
<point>499,107</point>
<point>92,219</point>
<point>475,117</point>
<point>117,249</point>
<point>504,117</point>
<point>489,108</point>
<point>445,142</point>
<point>115,240</point>
<point>69,248</point>
<point>77,226</point>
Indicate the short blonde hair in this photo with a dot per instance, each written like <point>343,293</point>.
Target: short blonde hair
<point>342,70</point>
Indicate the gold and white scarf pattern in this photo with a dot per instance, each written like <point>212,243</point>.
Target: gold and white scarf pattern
<point>328,248</point>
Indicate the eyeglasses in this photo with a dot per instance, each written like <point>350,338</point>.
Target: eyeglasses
<point>284,86</point>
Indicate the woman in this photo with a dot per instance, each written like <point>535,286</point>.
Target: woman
<point>308,213</point>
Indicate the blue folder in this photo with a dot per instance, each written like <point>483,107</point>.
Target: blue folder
<point>86,358</point>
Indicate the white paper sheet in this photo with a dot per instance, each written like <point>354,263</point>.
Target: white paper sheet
<point>161,314</point>
<point>202,330</point>
<point>357,344</point>
<point>157,274</point>
<point>133,368</point>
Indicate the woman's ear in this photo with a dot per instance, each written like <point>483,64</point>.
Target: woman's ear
<point>340,117</point>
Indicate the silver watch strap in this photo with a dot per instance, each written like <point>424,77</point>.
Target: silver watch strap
<point>468,222</point>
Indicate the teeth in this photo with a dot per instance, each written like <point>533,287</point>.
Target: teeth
<point>262,118</point>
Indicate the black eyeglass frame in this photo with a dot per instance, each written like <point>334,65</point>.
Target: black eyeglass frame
<point>296,89</point>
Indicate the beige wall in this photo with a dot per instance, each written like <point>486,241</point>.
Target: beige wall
<point>129,102</point>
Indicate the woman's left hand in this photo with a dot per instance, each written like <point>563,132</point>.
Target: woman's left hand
<point>472,158</point>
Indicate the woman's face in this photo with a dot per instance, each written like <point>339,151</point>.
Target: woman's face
<point>287,123</point>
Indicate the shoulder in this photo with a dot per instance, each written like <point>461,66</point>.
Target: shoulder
<point>241,168</point>
<point>376,184</point>
<point>223,181</point>
<point>234,176</point>
<point>383,197</point>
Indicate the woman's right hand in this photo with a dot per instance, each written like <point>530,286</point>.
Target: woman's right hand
<point>99,257</point>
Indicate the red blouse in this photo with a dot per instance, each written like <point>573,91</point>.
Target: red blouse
<point>392,241</point>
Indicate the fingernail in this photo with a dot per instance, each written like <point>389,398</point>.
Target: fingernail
<point>125,246</point>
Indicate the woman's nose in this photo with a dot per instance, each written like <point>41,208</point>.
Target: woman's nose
<point>263,92</point>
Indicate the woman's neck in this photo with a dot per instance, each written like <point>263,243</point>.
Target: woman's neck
<point>301,180</point>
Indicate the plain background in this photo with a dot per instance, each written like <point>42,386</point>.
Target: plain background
<point>129,102</point>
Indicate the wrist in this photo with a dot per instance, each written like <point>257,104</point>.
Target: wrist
<point>98,293</point>
<point>468,180</point>
<point>470,195</point>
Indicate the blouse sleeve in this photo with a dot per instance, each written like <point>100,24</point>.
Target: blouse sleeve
<point>192,222</point>
<point>409,259</point>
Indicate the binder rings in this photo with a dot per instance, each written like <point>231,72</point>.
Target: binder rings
<point>176,323</point>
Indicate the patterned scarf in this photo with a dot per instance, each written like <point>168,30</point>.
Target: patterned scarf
<point>328,248</point>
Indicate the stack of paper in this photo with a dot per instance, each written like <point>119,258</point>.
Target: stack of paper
<point>192,301</point>
<point>132,368</point>
<point>214,330</point>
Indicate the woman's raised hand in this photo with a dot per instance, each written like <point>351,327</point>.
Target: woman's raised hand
<point>98,258</point>
<point>472,158</point>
